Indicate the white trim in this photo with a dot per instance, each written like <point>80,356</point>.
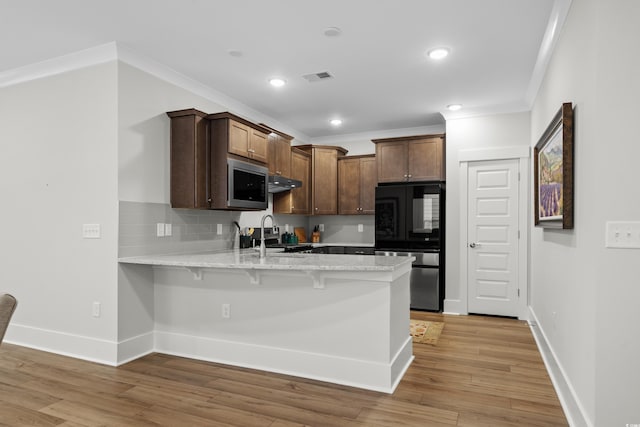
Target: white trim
<point>454,306</point>
<point>497,153</point>
<point>135,347</point>
<point>114,51</point>
<point>558,15</point>
<point>367,374</point>
<point>463,307</point>
<point>520,153</point>
<point>62,64</point>
<point>72,345</point>
<point>571,404</point>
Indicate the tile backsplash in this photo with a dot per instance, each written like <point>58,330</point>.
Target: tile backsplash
<point>196,231</point>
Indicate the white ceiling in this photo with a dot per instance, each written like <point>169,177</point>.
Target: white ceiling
<point>382,77</point>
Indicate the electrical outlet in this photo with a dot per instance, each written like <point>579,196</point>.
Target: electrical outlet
<point>91,231</point>
<point>286,228</point>
<point>219,229</point>
<point>160,229</point>
<point>622,234</point>
<point>321,227</point>
<point>168,230</point>
<point>226,311</point>
<point>360,228</point>
<point>95,309</point>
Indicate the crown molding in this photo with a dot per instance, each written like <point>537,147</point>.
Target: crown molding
<point>557,18</point>
<point>114,51</point>
<point>62,64</point>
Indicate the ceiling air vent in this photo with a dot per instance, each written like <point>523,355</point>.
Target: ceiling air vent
<point>316,77</point>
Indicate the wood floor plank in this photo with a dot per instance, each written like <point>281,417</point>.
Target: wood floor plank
<point>484,371</point>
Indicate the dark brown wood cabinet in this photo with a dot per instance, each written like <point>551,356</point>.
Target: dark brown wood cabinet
<point>189,159</point>
<point>201,144</point>
<point>297,200</point>
<point>357,180</point>
<point>324,177</point>
<point>239,136</point>
<point>279,153</point>
<point>415,158</point>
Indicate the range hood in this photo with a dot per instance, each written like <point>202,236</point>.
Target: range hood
<point>278,184</point>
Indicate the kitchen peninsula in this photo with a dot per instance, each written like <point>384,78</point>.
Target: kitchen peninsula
<point>335,318</point>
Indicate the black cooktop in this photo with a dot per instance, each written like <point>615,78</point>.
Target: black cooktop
<point>292,247</point>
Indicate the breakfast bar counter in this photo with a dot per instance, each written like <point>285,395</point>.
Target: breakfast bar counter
<point>335,318</point>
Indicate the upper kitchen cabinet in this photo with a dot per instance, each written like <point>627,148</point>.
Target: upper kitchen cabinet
<point>415,158</point>
<point>324,177</point>
<point>297,200</point>
<point>279,153</point>
<point>241,137</point>
<point>189,151</point>
<point>357,180</point>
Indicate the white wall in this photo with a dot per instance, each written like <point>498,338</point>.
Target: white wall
<point>564,263</point>
<point>58,170</point>
<point>617,198</point>
<point>506,130</point>
<point>584,295</point>
<point>143,132</point>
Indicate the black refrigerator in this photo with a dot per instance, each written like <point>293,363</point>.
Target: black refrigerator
<point>410,221</point>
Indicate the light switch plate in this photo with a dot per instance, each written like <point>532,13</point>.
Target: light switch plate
<point>623,234</point>
<point>219,229</point>
<point>160,229</point>
<point>90,231</point>
<point>321,227</point>
<point>168,229</point>
<point>360,228</point>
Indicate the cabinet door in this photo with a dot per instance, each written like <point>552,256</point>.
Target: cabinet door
<point>239,136</point>
<point>279,155</point>
<point>257,145</point>
<point>297,200</point>
<point>392,161</point>
<point>425,159</point>
<point>300,170</point>
<point>368,181</point>
<point>189,166</point>
<point>325,181</point>
<point>349,181</point>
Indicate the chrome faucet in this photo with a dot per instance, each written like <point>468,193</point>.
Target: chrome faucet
<point>263,248</point>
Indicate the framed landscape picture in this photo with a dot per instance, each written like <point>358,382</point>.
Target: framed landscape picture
<point>553,172</point>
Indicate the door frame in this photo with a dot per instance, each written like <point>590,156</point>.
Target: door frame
<point>522,154</point>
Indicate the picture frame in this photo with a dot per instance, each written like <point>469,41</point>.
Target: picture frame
<point>553,172</point>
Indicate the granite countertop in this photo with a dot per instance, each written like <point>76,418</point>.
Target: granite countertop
<point>250,259</point>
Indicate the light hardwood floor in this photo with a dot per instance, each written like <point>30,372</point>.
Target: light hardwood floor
<point>484,371</point>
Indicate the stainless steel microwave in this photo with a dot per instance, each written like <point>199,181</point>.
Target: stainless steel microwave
<point>247,185</point>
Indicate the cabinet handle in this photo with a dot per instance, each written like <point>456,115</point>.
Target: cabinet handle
<point>251,150</point>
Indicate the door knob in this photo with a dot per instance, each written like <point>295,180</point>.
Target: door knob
<point>472,245</point>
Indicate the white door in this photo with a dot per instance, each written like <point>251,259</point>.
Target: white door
<point>492,240</point>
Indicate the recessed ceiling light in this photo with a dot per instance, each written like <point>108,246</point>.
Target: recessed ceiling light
<point>235,53</point>
<point>335,122</point>
<point>332,31</point>
<point>438,53</point>
<point>454,107</point>
<point>277,82</point>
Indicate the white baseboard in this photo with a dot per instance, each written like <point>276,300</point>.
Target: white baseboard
<point>573,409</point>
<point>366,374</point>
<point>454,306</point>
<point>72,345</point>
<point>135,347</point>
